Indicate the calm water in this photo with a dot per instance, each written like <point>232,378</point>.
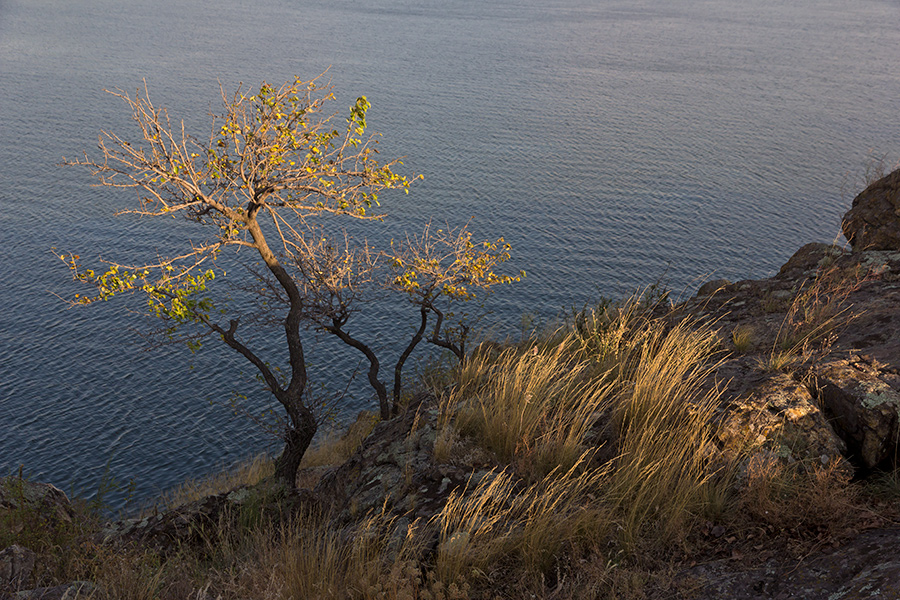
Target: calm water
<point>609,141</point>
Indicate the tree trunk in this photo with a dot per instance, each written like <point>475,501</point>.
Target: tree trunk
<point>296,441</point>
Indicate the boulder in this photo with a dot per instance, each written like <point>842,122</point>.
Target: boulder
<point>20,494</point>
<point>863,407</point>
<point>809,260</point>
<point>16,564</point>
<point>778,415</point>
<point>395,470</point>
<point>76,590</point>
<point>197,524</point>
<point>873,222</point>
<point>711,287</point>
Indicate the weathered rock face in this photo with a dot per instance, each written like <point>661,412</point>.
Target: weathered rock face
<point>873,222</point>
<point>808,259</point>
<point>197,523</point>
<point>776,414</point>
<point>864,407</point>
<point>846,392</point>
<point>395,470</point>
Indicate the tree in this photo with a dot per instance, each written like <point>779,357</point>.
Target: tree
<point>272,168</point>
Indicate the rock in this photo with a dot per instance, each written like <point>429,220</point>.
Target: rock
<point>873,221</point>
<point>19,494</point>
<point>711,287</point>
<point>863,407</point>
<point>198,523</point>
<point>394,460</point>
<point>866,567</point>
<point>778,415</point>
<point>395,470</point>
<point>16,564</point>
<point>810,259</point>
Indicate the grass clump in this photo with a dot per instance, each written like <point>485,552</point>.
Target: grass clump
<point>818,310</point>
<point>532,407</point>
<point>537,407</point>
<point>742,337</point>
<point>662,477</point>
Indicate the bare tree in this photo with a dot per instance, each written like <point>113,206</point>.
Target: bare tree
<point>272,166</point>
<point>434,270</point>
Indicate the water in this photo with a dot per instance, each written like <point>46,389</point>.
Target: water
<point>609,142</point>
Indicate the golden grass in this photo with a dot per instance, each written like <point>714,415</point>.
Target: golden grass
<point>499,520</point>
<point>742,337</point>
<point>531,406</point>
<point>662,479</point>
<point>802,495</point>
<point>548,510</point>
<point>817,311</point>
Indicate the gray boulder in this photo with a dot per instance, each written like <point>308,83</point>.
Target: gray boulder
<point>20,494</point>
<point>866,567</point>
<point>77,590</point>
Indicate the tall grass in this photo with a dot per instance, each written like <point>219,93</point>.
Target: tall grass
<point>533,407</point>
<point>819,309</point>
<point>662,477</point>
<point>617,367</point>
<point>500,520</point>
<point>619,373</point>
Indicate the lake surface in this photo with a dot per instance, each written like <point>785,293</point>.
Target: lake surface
<point>612,143</point>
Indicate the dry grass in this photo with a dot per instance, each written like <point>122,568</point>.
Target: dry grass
<point>333,449</point>
<point>818,310</point>
<point>248,472</point>
<point>742,337</point>
<point>500,520</point>
<point>532,407</point>
<point>662,479</point>
<point>336,447</point>
<point>800,496</point>
<point>550,520</point>
<point>309,559</point>
<point>535,406</point>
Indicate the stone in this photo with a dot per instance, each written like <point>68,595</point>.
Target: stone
<point>16,565</point>
<point>711,287</point>
<point>865,567</point>
<point>197,523</point>
<point>809,259</point>
<point>18,494</point>
<point>862,406</point>
<point>779,416</point>
<point>873,221</point>
<point>395,470</point>
<point>76,590</point>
